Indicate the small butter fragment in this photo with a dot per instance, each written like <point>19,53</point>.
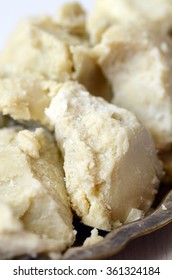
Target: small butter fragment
<point>93,239</point>
<point>164,207</point>
<point>28,144</point>
<point>134,215</point>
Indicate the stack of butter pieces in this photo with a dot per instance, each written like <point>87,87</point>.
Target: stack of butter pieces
<point>85,117</point>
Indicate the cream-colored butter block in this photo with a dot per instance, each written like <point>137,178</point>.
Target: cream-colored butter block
<point>111,12</point>
<point>52,48</point>
<point>41,45</point>
<point>138,64</point>
<point>32,186</point>
<point>110,160</point>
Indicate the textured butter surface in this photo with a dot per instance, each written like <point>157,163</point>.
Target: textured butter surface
<point>140,72</point>
<point>100,142</point>
<point>24,96</point>
<point>111,12</point>
<point>32,187</point>
<point>52,49</point>
<point>93,239</point>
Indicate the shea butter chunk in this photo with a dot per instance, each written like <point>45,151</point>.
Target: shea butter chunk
<point>32,186</point>
<point>111,12</point>
<point>36,46</point>
<point>139,71</point>
<point>110,161</point>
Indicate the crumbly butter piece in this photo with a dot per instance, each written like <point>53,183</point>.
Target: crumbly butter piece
<point>32,185</point>
<point>24,96</point>
<point>164,208</point>
<point>36,46</point>
<point>140,71</point>
<point>48,46</point>
<point>29,143</point>
<point>100,142</point>
<point>93,239</point>
<point>42,44</point>
<point>116,11</point>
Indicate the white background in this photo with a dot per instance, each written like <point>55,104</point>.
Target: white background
<point>11,11</point>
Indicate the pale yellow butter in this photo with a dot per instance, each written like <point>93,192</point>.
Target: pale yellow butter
<point>25,96</point>
<point>42,51</point>
<point>100,142</point>
<point>111,12</point>
<point>138,64</point>
<point>93,239</point>
<point>32,186</point>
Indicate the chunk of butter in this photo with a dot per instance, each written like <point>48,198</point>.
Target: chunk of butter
<point>32,187</point>
<point>139,71</point>
<point>125,11</point>
<point>110,160</point>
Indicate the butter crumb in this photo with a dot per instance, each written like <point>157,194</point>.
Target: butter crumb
<point>164,208</point>
<point>117,224</point>
<point>93,239</point>
<point>29,143</point>
<point>134,215</point>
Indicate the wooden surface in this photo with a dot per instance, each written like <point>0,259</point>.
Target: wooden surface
<point>154,246</point>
